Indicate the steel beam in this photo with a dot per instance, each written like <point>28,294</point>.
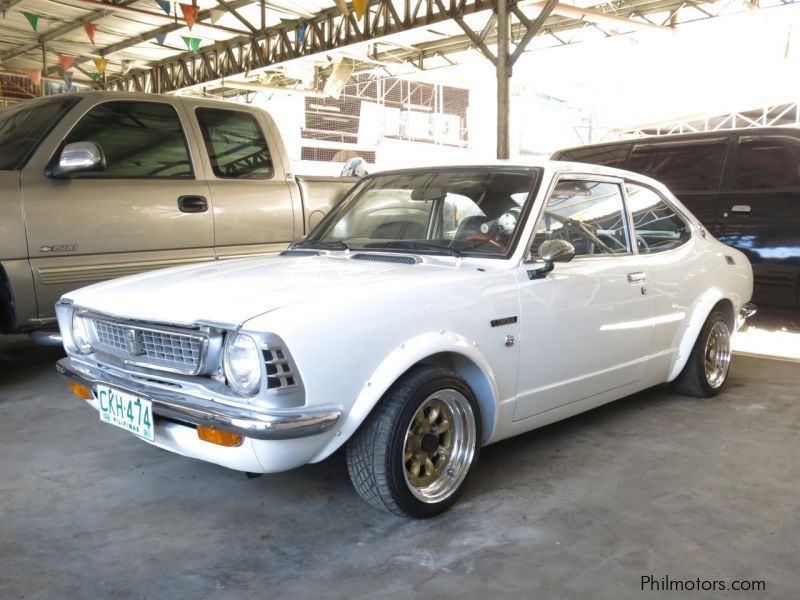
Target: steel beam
<point>503,68</point>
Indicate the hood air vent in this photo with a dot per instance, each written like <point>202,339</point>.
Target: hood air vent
<point>389,258</point>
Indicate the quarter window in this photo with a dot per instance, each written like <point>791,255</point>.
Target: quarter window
<point>682,168</point>
<point>139,139</point>
<point>235,144</point>
<point>657,226</point>
<point>588,214</point>
<point>768,163</point>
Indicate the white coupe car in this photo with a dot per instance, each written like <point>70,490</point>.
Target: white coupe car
<point>432,312</point>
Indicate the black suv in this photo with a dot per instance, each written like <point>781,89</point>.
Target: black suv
<point>743,185</point>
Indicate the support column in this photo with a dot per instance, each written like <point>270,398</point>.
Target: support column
<point>503,81</point>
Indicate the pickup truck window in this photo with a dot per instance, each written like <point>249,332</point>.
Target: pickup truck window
<point>442,212</point>
<point>23,127</point>
<point>235,144</point>
<point>139,140</point>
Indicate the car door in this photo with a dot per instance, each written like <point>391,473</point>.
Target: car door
<point>255,210</point>
<point>586,328</point>
<point>147,209</point>
<point>760,215</point>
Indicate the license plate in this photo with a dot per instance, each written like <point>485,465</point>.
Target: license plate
<point>128,411</point>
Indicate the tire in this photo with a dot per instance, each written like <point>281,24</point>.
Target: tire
<point>713,350</point>
<point>402,463</point>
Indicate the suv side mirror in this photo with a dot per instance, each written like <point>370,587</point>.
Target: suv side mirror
<point>78,157</point>
<point>551,252</point>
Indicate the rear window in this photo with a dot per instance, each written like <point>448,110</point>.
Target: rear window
<point>682,168</point>
<point>23,127</point>
<point>608,156</point>
<point>767,163</point>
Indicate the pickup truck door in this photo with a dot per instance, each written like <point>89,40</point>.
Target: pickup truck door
<point>587,326</point>
<point>257,208</point>
<point>146,210</point>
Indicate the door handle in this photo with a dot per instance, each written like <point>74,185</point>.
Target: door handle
<point>741,209</point>
<point>637,277</point>
<point>192,204</point>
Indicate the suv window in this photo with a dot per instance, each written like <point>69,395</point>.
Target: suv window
<point>139,139</point>
<point>682,168</point>
<point>657,226</point>
<point>609,156</point>
<point>235,144</point>
<point>768,163</point>
<point>589,214</point>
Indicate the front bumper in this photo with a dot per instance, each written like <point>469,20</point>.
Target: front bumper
<point>174,406</point>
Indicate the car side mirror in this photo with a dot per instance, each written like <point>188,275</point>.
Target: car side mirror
<point>78,157</point>
<point>551,252</point>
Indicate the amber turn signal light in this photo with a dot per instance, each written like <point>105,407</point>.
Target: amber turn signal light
<point>219,437</point>
<point>81,391</point>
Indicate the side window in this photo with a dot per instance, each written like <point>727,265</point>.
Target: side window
<point>235,144</point>
<point>589,214</point>
<point>768,163</point>
<point>139,139</point>
<point>609,156</point>
<point>682,168</point>
<point>655,223</point>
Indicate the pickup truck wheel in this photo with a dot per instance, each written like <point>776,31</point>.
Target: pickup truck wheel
<point>415,453</point>
<point>709,363</point>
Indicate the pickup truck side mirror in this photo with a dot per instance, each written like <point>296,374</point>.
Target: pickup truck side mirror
<point>551,252</point>
<point>78,157</point>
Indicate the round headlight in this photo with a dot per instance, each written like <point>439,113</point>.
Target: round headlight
<point>80,335</point>
<point>242,363</point>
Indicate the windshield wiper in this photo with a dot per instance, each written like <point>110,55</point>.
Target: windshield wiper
<point>319,245</point>
<point>409,245</point>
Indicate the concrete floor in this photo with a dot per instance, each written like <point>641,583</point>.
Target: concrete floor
<point>653,484</point>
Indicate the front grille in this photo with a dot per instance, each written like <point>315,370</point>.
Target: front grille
<point>146,346</point>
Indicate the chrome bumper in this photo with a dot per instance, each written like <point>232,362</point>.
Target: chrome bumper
<point>747,311</point>
<point>277,425</point>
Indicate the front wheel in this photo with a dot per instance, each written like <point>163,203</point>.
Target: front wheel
<point>415,453</point>
<point>709,363</point>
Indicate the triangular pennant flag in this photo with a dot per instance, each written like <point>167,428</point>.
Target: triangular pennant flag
<point>301,33</point>
<point>161,38</point>
<point>101,64</point>
<point>126,65</point>
<point>65,62</point>
<point>342,4</point>
<point>360,6</point>
<point>192,44</point>
<point>35,75</point>
<point>290,23</point>
<point>164,4</point>
<point>90,29</point>
<point>68,79</point>
<point>32,19</point>
<point>95,76</point>
<point>216,15</point>
<point>190,14</point>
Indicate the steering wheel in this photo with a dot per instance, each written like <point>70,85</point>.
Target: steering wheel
<point>642,244</point>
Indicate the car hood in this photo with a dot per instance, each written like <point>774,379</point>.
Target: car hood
<point>233,291</point>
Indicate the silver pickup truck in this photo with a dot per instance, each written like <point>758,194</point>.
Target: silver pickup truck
<point>98,185</point>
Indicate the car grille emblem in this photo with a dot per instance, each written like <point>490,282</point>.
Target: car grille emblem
<point>134,342</point>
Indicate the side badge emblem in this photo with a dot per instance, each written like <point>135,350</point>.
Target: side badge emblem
<point>503,321</point>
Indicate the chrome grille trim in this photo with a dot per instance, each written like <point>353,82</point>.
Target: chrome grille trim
<point>157,348</point>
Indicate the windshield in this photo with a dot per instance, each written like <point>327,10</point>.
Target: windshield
<point>23,127</point>
<point>456,212</point>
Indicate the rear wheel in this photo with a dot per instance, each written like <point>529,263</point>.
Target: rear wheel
<point>415,453</point>
<point>709,363</point>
